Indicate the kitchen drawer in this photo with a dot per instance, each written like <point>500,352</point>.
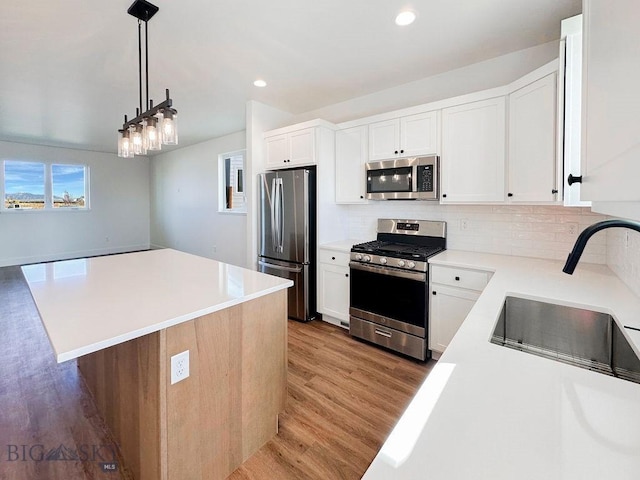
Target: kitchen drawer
<point>460,277</point>
<point>333,257</point>
<point>405,343</point>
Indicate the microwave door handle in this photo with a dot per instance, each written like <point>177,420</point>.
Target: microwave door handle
<point>414,178</point>
<point>273,214</point>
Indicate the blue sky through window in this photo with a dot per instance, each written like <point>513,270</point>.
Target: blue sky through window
<point>24,177</point>
<point>68,178</point>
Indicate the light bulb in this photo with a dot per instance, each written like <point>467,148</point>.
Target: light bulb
<point>125,149</point>
<point>405,18</point>
<point>170,127</point>
<point>136,141</point>
<point>151,134</point>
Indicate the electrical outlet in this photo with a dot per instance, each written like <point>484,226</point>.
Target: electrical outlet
<point>179,367</point>
<point>573,228</point>
<point>464,224</point>
<point>215,248</point>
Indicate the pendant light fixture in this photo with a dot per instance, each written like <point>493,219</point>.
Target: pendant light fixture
<point>157,125</point>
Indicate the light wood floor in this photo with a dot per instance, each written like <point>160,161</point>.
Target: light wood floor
<point>344,397</point>
<point>44,405</point>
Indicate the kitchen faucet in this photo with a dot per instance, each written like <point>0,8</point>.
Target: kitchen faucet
<point>586,234</point>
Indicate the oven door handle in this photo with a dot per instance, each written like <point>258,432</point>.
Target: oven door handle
<point>418,276</point>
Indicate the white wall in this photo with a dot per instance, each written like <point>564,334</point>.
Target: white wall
<point>529,231</point>
<point>184,202</point>
<point>117,221</point>
<point>491,73</point>
<point>623,255</point>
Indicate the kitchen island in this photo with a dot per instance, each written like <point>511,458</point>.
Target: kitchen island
<point>124,316</point>
<point>490,412</point>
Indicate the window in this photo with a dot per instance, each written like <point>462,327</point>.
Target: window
<point>42,186</point>
<point>231,195</point>
<point>24,185</point>
<point>68,183</point>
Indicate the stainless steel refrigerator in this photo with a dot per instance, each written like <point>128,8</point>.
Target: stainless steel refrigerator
<point>287,243</point>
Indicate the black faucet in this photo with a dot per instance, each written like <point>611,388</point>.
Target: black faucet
<point>586,234</point>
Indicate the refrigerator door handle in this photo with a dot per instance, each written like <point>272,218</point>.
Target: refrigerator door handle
<point>273,214</point>
<point>262,263</point>
<point>279,207</point>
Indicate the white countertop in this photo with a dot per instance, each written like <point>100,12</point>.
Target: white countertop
<point>490,412</point>
<point>90,304</point>
<point>341,245</point>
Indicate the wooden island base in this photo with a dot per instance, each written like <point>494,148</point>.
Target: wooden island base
<point>208,424</point>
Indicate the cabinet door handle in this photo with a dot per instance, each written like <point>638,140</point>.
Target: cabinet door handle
<point>346,275</point>
<point>433,293</point>
<point>333,258</point>
<point>361,196</point>
<point>444,195</point>
<point>509,194</point>
<point>571,179</point>
<point>554,191</point>
<point>401,151</point>
<point>396,152</point>
<point>457,279</point>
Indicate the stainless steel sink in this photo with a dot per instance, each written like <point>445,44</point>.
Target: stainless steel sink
<point>580,337</point>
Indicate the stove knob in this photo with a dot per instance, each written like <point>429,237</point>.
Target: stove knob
<point>401,263</point>
<point>411,265</point>
<point>383,261</point>
<point>366,258</point>
<point>358,256</point>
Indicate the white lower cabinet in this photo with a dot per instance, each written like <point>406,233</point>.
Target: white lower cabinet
<point>333,287</point>
<point>454,291</point>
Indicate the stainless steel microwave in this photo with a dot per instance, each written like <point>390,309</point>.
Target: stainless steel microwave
<point>414,178</point>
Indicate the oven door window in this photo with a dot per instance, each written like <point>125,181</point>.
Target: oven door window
<point>389,180</point>
<point>401,299</point>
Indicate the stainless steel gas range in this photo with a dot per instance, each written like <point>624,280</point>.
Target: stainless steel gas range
<point>389,303</point>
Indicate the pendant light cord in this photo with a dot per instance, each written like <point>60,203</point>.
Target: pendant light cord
<point>140,64</point>
<point>146,55</point>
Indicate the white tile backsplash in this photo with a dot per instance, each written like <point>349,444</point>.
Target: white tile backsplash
<point>530,231</point>
<point>623,256</point>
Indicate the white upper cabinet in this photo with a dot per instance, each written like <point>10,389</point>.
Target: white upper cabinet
<point>351,156</point>
<point>384,139</point>
<point>611,104</point>
<point>473,152</point>
<point>570,108</point>
<point>532,142</point>
<point>408,136</point>
<point>292,149</point>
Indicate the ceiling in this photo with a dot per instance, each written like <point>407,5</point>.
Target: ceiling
<point>69,69</point>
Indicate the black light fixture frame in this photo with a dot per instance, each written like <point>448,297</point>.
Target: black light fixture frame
<point>144,11</point>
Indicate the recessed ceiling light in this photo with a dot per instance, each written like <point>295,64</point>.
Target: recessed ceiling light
<point>260,83</point>
<point>405,18</point>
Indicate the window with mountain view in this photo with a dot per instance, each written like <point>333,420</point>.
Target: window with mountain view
<point>24,185</point>
<point>68,182</point>
<point>43,186</point>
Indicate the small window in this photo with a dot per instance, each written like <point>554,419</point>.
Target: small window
<point>43,186</point>
<point>24,184</point>
<point>68,186</point>
<point>231,197</point>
